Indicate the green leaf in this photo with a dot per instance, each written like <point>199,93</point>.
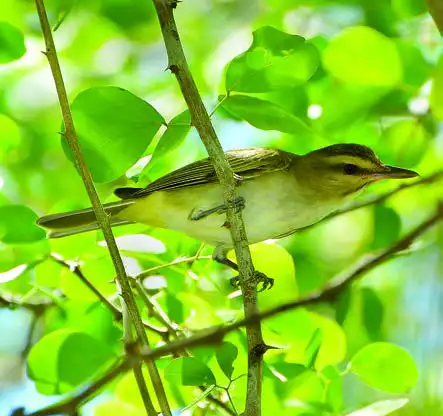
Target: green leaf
<point>361,55</point>
<point>17,225</point>
<point>387,226</point>
<point>265,115</point>
<point>412,57</point>
<point>385,366</point>
<point>275,60</point>
<point>175,308</point>
<point>313,348</point>
<point>12,43</point>
<point>176,132</point>
<point>436,99</point>
<point>372,312</point>
<point>342,305</point>
<point>226,355</point>
<point>407,139</point>
<point>381,408</point>
<point>114,128</point>
<point>409,8</point>
<point>65,359</point>
<point>334,391</point>
<point>276,262</point>
<point>189,371</point>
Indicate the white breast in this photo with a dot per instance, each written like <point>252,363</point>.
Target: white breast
<point>275,205</point>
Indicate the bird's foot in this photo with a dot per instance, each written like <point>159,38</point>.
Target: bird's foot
<point>198,213</point>
<point>259,277</point>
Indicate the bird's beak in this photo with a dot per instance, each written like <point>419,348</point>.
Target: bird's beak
<point>392,172</point>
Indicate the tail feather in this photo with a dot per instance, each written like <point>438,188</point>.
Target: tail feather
<point>74,222</point>
<point>82,229</point>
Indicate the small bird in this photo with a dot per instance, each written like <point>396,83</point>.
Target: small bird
<point>279,192</point>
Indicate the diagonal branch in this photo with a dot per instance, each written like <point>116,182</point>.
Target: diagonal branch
<point>116,312</point>
<point>137,369</point>
<point>200,119</point>
<point>102,218</point>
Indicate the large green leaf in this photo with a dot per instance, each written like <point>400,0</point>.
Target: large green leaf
<point>176,132</point>
<point>64,359</point>
<point>274,61</point>
<point>385,366</point>
<point>361,55</point>
<point>12,43</point>
<point>265,115</point>
<point>17,225</point>
<point>372,312</point>
<point>226,355</point>
<point>387,226</point>
<point>114,128</point>
<point>189,371</point>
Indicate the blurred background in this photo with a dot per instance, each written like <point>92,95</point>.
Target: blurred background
<point>118,42</point>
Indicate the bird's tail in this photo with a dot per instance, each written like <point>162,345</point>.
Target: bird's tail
<point>80,221</point>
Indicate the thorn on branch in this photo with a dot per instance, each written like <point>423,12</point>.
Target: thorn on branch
<point>173,68</point>
<point>259,350</point>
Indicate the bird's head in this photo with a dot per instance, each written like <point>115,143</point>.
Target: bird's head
<point>342,170</point>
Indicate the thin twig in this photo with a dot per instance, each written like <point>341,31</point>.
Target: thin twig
<point>182,260</point>
<point>156,311</point>
<point>137,369</point>
<point>102,218</point>
<point>74,267</point>
<point>70,406</point>
<point>11,303</point>
<point>200,119</point>
<point>174,330</point>
<point>31,332</point>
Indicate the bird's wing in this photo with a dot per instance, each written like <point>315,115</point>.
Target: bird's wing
<point>247,163</point>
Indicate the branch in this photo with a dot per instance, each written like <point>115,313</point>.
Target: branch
<point>74,267</point>
<point>70,406</point>
<point>436,11</point>
<point>102,218</point>
<point>199,117</point>
<point>381,197</point>
<point>182,260</point>
<point>138,373</point>
<point>36,308</point>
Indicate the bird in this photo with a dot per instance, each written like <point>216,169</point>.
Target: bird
<point>279,193</point>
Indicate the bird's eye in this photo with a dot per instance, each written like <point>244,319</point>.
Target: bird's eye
<point>350,169</point>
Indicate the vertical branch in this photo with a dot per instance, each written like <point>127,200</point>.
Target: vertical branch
<point>138,374</point>
<point>102,218</point>
<point>200,119</point>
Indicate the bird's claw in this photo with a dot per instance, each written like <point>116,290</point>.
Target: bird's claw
<point>267,282</point>
<point>259,277</point>
<point>199,213</point>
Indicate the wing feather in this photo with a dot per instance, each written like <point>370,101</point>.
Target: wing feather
<point>247,163</point>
